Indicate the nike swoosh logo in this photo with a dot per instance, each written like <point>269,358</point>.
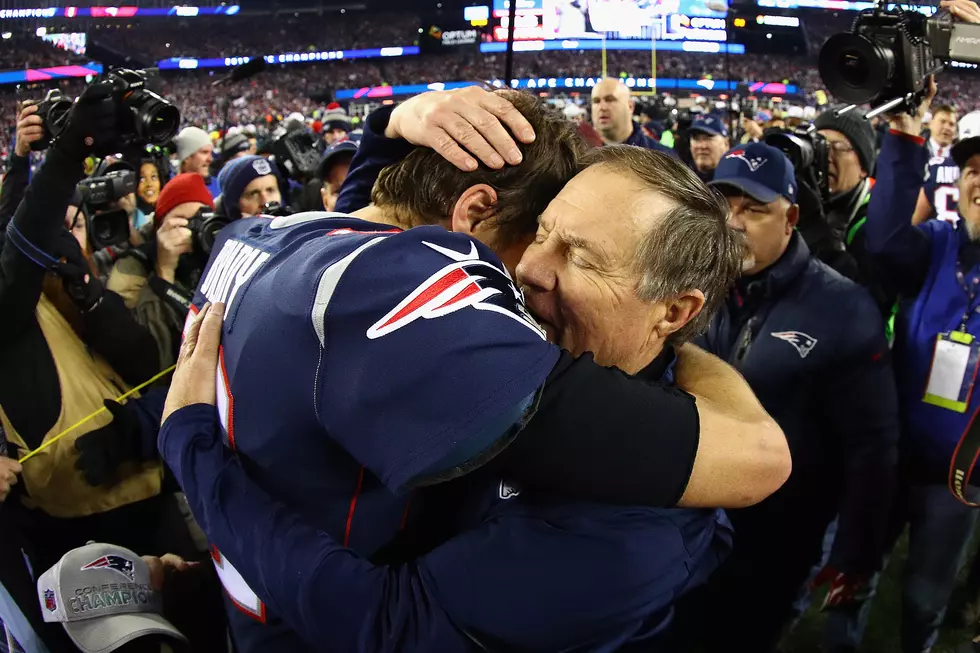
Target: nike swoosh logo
<point>453,254</point>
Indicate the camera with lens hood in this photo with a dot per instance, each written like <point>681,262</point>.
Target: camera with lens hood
<point>143,117</point>
<point>809,153</point>
<point>890,52</point>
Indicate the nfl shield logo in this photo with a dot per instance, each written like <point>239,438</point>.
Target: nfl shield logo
<point>49,601</point>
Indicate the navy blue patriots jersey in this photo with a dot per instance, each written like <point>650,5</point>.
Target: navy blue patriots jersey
<point>941,190</point>
<point>358,360</point>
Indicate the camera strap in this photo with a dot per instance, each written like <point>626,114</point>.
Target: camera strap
<point>964,460</point>
<point>862,198</point>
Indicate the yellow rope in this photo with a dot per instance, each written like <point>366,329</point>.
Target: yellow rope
<point>74,426</point>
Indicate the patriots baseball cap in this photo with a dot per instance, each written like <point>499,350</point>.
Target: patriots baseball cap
<point>760,171</point>
<point>334,152</point>
<point>101,594</point>
<point>709,124</point>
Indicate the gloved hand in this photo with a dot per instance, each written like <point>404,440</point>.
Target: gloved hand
<point>102,451</point>
<point>846,589</point>
<point>83,286</point>
<point>90,127</point>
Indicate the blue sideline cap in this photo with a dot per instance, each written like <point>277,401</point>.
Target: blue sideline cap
<point>333,153</point>
<point>760,171</point>
<point>709,124</point>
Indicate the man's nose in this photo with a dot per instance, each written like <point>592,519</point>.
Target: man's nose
<point>537,269</point>
<point>735,221</point>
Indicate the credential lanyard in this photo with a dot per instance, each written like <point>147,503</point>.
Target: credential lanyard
<point>970,283</point>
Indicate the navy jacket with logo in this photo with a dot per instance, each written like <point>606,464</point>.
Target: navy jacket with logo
<point>519,571</point>
<point>639,139</point>
<point>811,345</point>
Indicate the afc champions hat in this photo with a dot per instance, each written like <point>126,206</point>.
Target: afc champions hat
<point>760,171</point>
<point>101,594</point>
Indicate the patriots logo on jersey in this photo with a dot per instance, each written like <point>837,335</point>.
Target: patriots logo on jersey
<point>118,564</point>
<point>754,163</point>
<point>801,342</point>
<point>467,282</point>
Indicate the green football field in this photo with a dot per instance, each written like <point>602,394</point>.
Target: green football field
<point>883,627</point>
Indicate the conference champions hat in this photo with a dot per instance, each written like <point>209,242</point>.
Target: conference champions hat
<point>101,594</point>
<point>760,171</point>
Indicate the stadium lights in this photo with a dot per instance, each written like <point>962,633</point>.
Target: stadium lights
<point>41,31</point>
<point>6,35</point>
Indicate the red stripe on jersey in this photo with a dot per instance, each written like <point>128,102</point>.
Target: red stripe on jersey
<point>353,505</point>
<point>231,399</point>
<point>427,295</point>
<point>471,289</point>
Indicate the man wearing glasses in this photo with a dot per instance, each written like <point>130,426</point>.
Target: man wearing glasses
<point>851,140</point>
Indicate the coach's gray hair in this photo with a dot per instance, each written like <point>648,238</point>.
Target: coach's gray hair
<point>691,247</point>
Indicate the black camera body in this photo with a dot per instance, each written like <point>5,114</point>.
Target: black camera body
<point>809,153</point>
<point>887,55</point>
<point>99,192</point>
<point>205,225</point>
<point>143,117</point>
<point>298,154</point>
<point>108,225</point>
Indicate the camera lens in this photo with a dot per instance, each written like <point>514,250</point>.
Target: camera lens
<point>156,119</point>
<point>855,69</point>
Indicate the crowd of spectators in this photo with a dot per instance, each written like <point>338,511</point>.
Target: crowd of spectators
<point>298,88</point>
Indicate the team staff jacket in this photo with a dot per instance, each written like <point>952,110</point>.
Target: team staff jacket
<point>639,139</point>
<point>811,345</point>
<point>924,260</point>
<point>523,571</point>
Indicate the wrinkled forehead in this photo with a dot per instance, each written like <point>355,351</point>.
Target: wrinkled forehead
<point>604,203</point>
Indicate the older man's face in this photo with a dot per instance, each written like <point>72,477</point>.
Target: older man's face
<point>580,275</point>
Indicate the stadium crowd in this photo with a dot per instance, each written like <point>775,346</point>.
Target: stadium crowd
<point>484,369</point>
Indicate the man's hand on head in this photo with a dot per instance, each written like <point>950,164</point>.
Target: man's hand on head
<point>460,123</point>
<point>194,379</point>
<point>966,10</point>
<point>30,128</point>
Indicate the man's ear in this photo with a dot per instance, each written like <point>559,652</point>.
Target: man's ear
<point>323,197</point>
<point>473,208</point>
<point>792,217</point>
<point>680,310</point>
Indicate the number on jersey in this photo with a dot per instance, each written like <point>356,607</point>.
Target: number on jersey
<point>946,200</point>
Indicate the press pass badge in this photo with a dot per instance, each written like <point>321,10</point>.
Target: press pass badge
<point>953,372</point>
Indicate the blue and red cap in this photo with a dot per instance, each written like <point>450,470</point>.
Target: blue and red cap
<point>760,171</point>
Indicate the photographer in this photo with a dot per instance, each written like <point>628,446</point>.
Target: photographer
<point>249,187</point>
<point>934,265</point>
<point>67,349</point>
<point>158,279</point>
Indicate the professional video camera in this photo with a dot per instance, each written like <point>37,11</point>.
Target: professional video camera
<point>298,154</point>
<point>108,224</point>
<point>143,118</point>
<point>889,54</point>
<point>809,153</point>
